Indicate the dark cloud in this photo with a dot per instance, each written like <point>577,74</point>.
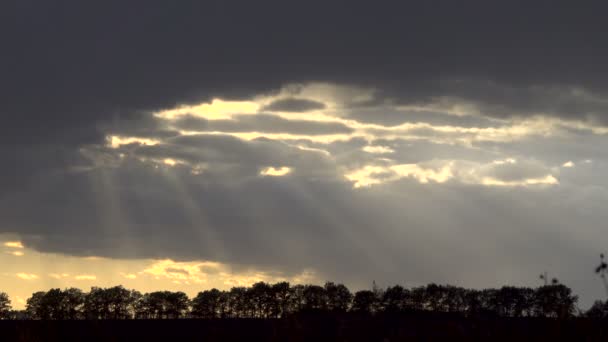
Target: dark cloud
<point>66,65</point>
<point>261,123</point>
<point>294,105</point>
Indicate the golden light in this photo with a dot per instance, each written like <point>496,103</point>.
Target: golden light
<point>217,109</point>
<point>275,172</point>
<point>13,244</point>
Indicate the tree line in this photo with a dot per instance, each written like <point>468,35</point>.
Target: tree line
<point>264,300</point>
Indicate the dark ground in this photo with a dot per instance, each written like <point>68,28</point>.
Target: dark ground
<point>311,328</point>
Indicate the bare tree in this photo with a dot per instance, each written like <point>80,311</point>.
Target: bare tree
<point>602,270</point>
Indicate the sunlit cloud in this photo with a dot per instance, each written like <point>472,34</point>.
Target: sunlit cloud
<point>185,273</point>
<point>13,244</point>
<point>59,275</point>
<point>277,172</point>
<point>85,277</point>
<point>27,276</point>
<point>312,149</point>
<point>568,164</point>
<point>217,109</point>
<point>547,180</point>
<point>16,253</point>
<point>441,171</point>
<point>176,271</point>
<point>115,141</point>
<point>370,175</point>
<point>378,149</point>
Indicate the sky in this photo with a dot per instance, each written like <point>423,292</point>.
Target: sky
<point>191,145</point>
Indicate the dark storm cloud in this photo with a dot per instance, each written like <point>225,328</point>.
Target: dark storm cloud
<point>261,123</point>
<point>294,105</point>
<point>69,63</point>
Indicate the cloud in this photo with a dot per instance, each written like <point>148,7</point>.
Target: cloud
<point>85,277</point>
<point>508,172</point>
<point>261,123</point>
<point>294,105</point>
<point>177,270</point>
<point>58,275</point>
<point>271,171</point>
<point>27,276</point>
<point>13,244</point>
<point>379,149</point>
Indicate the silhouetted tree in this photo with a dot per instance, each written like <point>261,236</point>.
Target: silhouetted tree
<point>512,302</point>
<point>281,298</point>
<point>73,303</point>
<point>433,297</point>
<point>296,298</point>
<point>17,315</point>
<point>225,305</point>
<point>261,297</point>
<point>315,298</point>
<point>395,299</point>
<point>56,304</point>
<point>338,297</point>
<point>263,300</point>
<point>364,302</point>
<point>554,301</point>
<point>5,305</point>
<point>206,304</point>
<point>53,304</point>
<point>602,270</point>
<point>598,310</point>
<point>473,302</point>
<point>238,302</point>
<point>163,304</point>
<point>177,304</point>
<point>111,303</point>
<point>417,298</point>
<point>34,306</point>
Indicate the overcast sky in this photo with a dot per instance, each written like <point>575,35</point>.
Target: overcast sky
<point>213,143</point>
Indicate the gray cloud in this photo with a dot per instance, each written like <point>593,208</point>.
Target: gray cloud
<point>389,116</point>
<point>261,123</point>
<point>294,105</point>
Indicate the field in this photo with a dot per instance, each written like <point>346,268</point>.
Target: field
<point>310,328</point>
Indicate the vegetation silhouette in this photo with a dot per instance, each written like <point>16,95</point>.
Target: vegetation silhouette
<point>281,311</point>
<point>264,301</point>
